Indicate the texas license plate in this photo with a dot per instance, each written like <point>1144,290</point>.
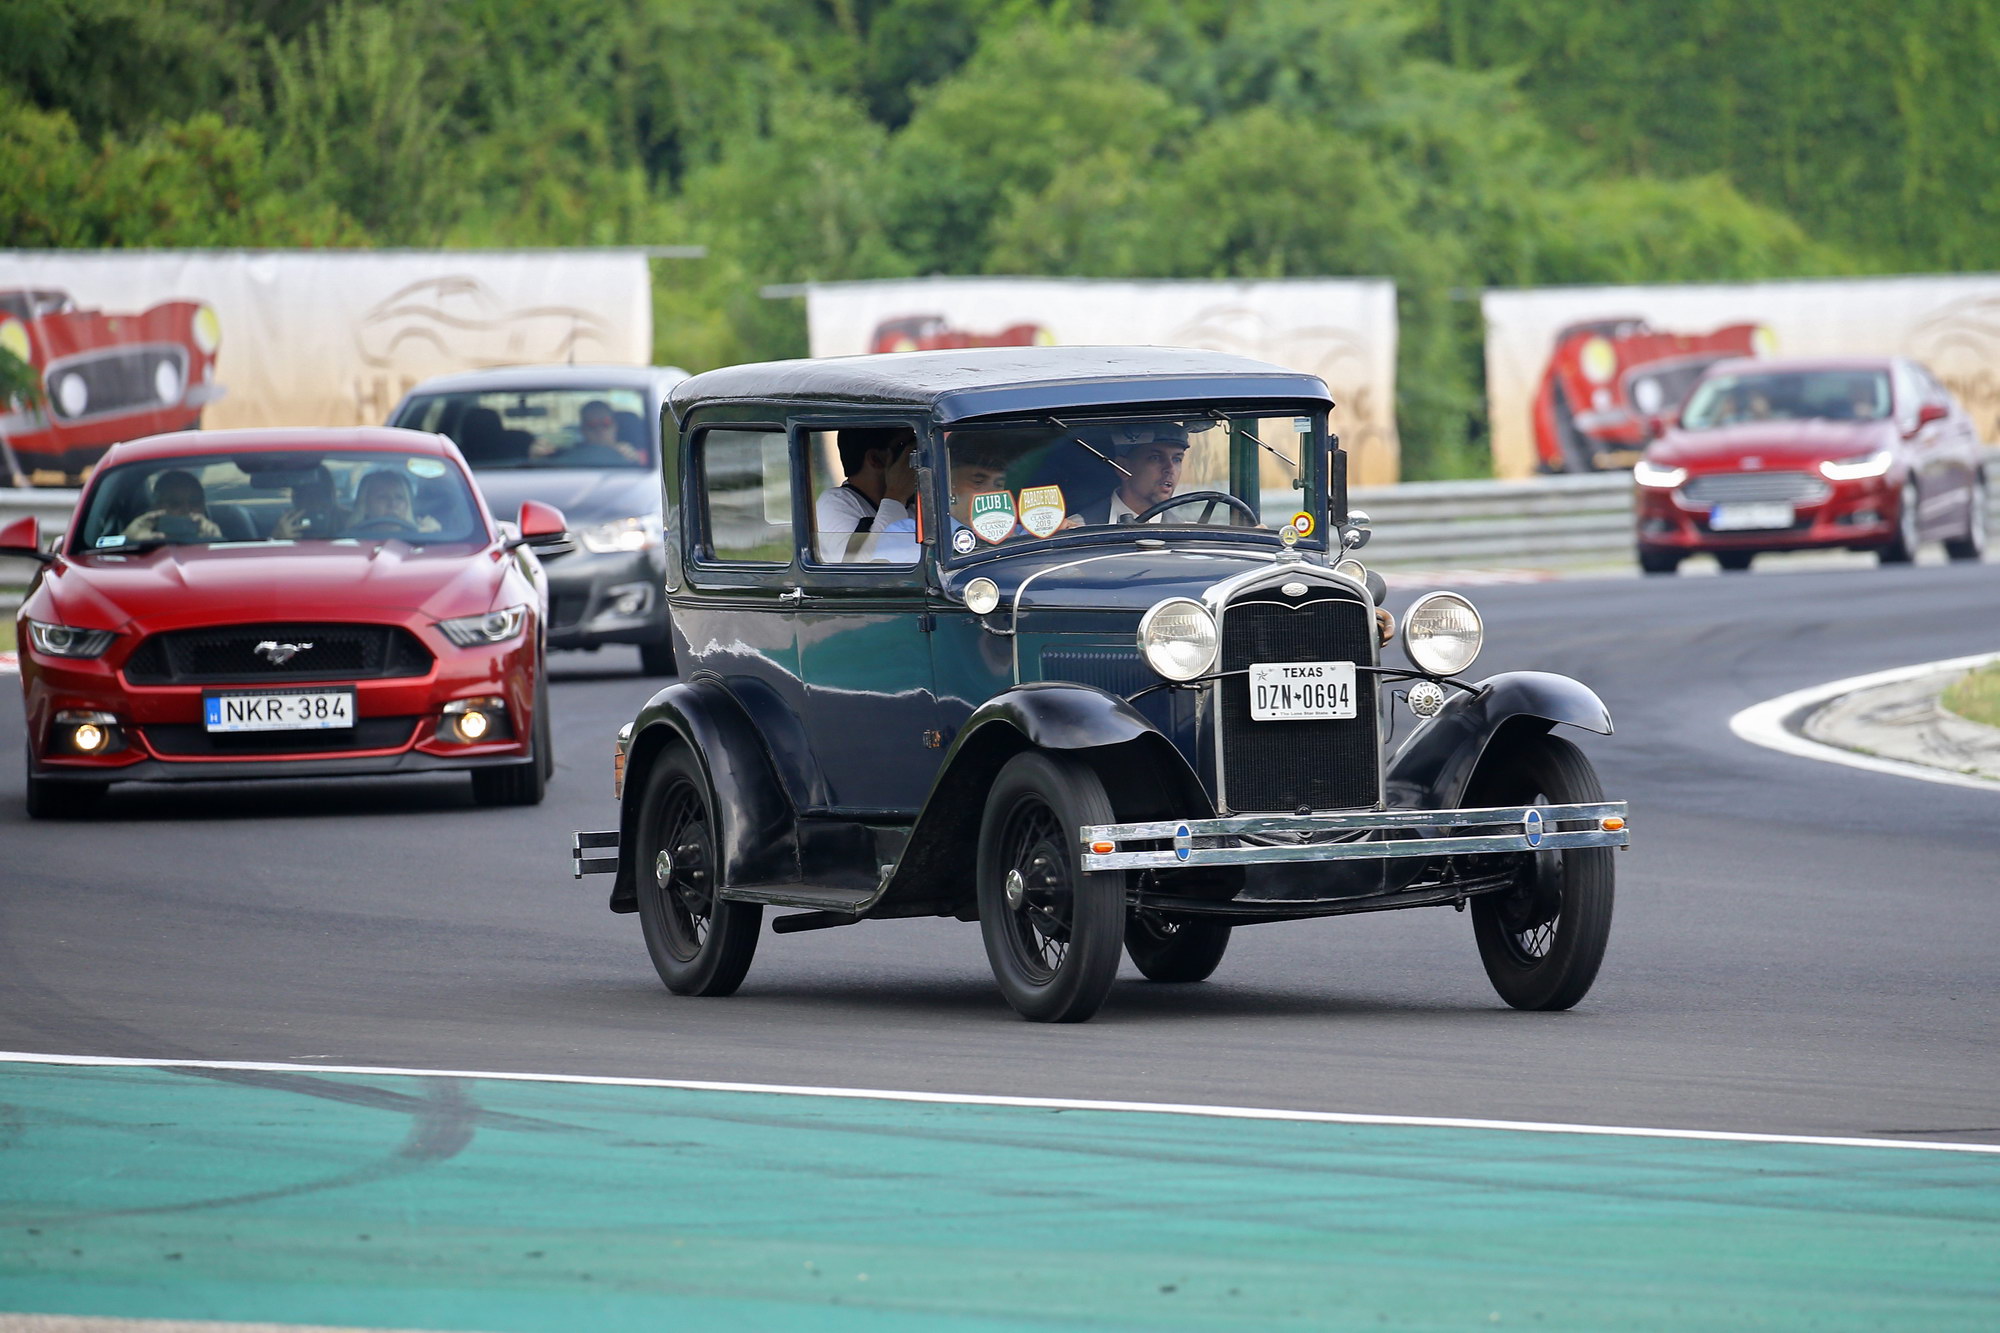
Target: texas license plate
<point>287,710</point>
<point>1758,516</point>
<point>1301,691</point>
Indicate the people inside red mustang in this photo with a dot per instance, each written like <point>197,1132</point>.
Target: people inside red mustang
<point>179,513</point>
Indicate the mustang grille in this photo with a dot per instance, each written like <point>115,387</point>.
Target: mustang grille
<point>1291,766</point>
<point>1711,488</point>
<point>228,655</point>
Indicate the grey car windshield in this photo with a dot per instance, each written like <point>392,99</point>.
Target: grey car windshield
<point>1787,395</point>
<point>529,428</point>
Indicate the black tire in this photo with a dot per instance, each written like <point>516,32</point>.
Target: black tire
<point>657,658</point>
<point>1542,941</point>
<point>53,798</point>
<point>1052,932</point>
<point>1734,562</point>
<point>1653,560</point>
<point>1972,545</point>
<point>1902,548</point>
<point>1169,949</point>
<point>523,783</point>
<point>700,945</point>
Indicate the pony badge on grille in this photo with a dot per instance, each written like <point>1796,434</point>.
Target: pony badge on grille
<point>277,654</point>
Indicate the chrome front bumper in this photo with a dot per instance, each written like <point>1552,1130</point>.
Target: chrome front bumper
<point>1365,834</point>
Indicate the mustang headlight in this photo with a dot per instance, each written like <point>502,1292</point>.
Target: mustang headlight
<point>1178,639</point>
<point>493,627</point>
<point>63,641</point>
<point>620,534</point>
<point>1853,469</point>
<point>1652,474</point>
<point>1442,633</point>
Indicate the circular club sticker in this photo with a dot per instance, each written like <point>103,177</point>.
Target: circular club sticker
<point>963,540</point>
<point>1302,523</point>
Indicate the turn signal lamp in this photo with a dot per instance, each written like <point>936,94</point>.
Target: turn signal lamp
<point>1611,823</point>
<point>1103,848</point>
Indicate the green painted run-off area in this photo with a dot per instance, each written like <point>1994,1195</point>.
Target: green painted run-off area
<point>450,1203</point>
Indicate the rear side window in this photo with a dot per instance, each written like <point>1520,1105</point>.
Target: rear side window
<point>745,481</point>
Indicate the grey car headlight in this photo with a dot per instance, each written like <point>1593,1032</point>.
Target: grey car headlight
<point>1177,638</point>
<point>1442,633</point>
<point>620,534</point>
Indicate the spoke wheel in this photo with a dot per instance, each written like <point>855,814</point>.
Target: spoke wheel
<point>700,943</point>
<point>1168,948</point>
<point>1051,931</point>
<point>1543,939</point>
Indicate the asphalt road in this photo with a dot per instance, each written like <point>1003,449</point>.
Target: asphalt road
<point>1799,947</point>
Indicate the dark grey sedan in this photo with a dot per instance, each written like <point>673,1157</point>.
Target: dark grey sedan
<point>585,439</point>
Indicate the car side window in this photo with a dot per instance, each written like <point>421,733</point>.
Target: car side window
<point>745,481</point>
<point>863,493</point>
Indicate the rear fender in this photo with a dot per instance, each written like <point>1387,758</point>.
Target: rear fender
<point>1435,765</point>
<point>1143,773</point>
<point>756,834</point>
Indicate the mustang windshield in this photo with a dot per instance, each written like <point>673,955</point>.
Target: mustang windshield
<point>355,496</point>
<point>523,428</point>
<point>1788,395</point>
<point>1028,483</point>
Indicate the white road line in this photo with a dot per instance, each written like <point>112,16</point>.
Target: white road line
<point>1764,724</point>
<point>1033,1103</point>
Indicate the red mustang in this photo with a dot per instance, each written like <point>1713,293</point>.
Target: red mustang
<point>1871,454</point>
<point>1610,381</point>
<point>105,377</point>
<point>284,603</point>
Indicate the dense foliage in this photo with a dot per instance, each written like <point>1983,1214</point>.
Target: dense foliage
<point>1449,144</point>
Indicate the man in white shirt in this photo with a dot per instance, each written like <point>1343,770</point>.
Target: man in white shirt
<point>881,481</point>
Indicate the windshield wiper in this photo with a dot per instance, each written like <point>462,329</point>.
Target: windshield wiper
<point>1102,457</point>
<point>1288,462</point>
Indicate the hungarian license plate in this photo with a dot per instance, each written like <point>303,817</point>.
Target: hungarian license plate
<point>285,710</point>
<point>1756,516</point>
<point>1301,691</point>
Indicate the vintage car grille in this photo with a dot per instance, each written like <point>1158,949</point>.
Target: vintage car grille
<point>1117,671</point>
<point>124,379</point>
<point>1290,766</point>
<point>228,655</point>
<point>1711,488</point>
<point>190,740</point>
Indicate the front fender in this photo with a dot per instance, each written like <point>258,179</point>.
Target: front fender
<point>756,833</point>
<point>1433,767</point>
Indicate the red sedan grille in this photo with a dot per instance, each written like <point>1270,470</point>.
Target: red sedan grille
<point>248,654</point>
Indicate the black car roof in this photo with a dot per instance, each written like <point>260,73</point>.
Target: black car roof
<point>558,376</point>
<point>989,381</point>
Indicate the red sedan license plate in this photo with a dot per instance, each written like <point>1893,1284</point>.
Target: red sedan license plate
<point>281,710</point>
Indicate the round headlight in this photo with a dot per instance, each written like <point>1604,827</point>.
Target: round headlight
<point>1178,639</point>
<point>167,383</point>
<point>981,596</point>
<point>14,338</point>
<point>1442,633</point>
<point>72,395</point>
<point>207,331</point>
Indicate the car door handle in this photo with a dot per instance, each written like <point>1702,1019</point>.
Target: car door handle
<point>792,595</point>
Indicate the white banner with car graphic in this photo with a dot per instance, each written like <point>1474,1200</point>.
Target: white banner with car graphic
<point>133,342</point>
<point>1579,378</point>
<point>1340,329</point>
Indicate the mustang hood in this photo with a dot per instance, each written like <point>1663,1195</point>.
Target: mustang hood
<point>1779,443</point>
<point>200,585</point>
<point>585,495</point>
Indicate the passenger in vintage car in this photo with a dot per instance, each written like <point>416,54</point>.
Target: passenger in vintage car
<point>1094,739</point>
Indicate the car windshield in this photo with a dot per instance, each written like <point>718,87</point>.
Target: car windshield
<point>528,428</point>
<point>361,497</point>
<point>1015,483</point>
<point>1787,395</point>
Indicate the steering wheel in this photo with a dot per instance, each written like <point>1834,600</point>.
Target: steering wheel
<point>384,525</point>
<point>1213,498</point>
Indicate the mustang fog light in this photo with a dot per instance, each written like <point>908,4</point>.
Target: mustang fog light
<point>1442,634</point>
<point>1178,639</point>
<point>470,721</point>
<point>85,732</point>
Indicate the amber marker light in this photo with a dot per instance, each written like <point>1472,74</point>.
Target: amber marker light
<point>1103,848</point>
<point>1611,823</point>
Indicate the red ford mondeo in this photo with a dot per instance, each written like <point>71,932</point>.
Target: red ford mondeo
<point>284,603</point>
<point>1870,454</point>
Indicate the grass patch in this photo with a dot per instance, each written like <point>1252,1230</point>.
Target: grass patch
<point>7,634</point>
<point>1976,696</point>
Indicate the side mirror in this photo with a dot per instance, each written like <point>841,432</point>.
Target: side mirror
<point>1659,424</point>
<point>1357,533</point>
<point>544,529</point>
<point>23,538</point>
<point>1930,412</point>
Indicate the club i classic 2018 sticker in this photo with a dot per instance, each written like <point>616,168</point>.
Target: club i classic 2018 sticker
<point>1042,510</point>
<point>993,516</point>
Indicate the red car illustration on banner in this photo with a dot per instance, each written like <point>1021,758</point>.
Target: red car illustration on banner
<point>1610,383</point>
<point>930,333</point>
<point>105,378</point>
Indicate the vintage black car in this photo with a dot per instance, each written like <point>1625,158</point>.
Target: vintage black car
<point>1110,678</point>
